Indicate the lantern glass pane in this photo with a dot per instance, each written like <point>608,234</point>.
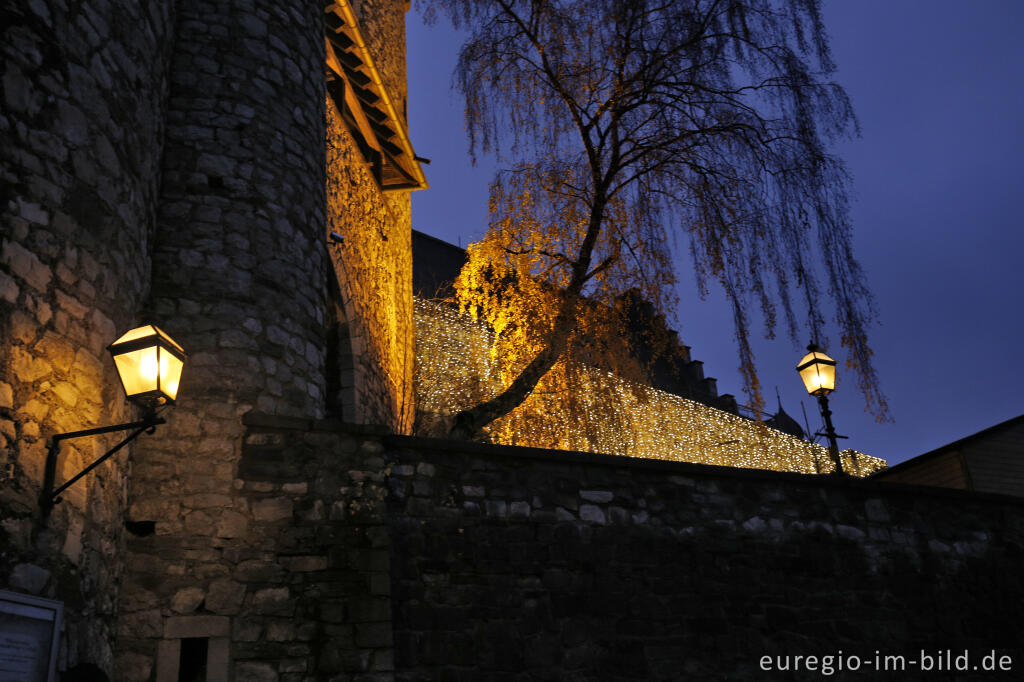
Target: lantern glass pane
<point>138,370</point>
<point>170,374</point>
<point>827,376</point>
<point>818,372</point>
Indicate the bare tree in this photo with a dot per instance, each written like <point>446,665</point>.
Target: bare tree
<point>625,122</point>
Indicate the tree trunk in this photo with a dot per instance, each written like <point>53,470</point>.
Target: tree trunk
<point>468,422</point>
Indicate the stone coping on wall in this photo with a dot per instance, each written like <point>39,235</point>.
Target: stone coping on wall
<point>260,420</point>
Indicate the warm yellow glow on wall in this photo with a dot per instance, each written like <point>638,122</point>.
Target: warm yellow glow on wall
<point>454,370</point>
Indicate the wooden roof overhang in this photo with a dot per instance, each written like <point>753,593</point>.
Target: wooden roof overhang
<point>355,86</point>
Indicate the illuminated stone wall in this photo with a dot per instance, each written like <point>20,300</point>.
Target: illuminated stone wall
<point>82,99</point>
<point>454,370</point>
<point>383,27</point>
<point>373,267</point>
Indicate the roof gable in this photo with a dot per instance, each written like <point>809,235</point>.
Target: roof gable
<point>355,86</point>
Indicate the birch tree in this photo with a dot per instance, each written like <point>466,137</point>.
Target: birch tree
<point>626,126</point>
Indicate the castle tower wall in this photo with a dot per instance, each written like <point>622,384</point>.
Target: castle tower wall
<point>239,274</point>
<point>239,261</point>
<point>82,94</point>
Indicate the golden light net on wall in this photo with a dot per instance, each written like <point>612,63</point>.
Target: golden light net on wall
<point>454,370</point>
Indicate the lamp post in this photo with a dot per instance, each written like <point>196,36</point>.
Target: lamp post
<point>149,364</point>
<point>818,372</point>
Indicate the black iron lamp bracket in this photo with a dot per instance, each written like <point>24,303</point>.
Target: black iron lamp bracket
<point>50,497</point>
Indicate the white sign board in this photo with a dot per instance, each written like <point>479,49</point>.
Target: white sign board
<point>29,636</point>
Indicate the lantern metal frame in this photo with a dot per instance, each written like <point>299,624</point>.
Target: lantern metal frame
<point>49,497</point>
<point>149,400</point>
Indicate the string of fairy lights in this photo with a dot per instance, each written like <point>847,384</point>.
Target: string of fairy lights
<point>455,370</point>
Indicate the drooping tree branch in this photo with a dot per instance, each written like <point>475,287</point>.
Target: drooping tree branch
<point>617,117</point>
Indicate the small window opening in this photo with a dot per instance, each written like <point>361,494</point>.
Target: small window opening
<point>192,661</point>
<point>141,529</point>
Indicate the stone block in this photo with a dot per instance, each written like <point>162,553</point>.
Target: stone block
<point>562,514</point>
<point>206,501</point>
<point>272,509</point>
<point>225,597</point>
<point>134,667</point>
<point>202,523</point>
<point>27,368</point>
<point>273,601</point>
<point>473,491</point>
<point>21,327</point>
<point>497,508</point>
<point>181,627</point>
<point>71,305</point>
<point>24,264</point>
<point>140,624</point>
<point>187,600</point>
<point>301,564</point>
<point>600,496</point>
<point>850,532</point>
<point>67,393</point>
<point>29,578</point>
<point>231,524</point>
<point>280,631</point>
<point>254,570</point>
<point>255,672</point>
<point>592,513</point>
<point>9,289</point>
<point>246,630</point>
<point>136,598</point>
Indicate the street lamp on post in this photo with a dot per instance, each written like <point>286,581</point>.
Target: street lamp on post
<point>149,364</point>
<point>818,372</point>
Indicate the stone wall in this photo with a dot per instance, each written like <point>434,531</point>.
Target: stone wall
<point>289,568</point>
<point>382,23</point>
<point>82,94</point>
<point>239,274</point>
<point>165,162</point>
<point>374,264</point>
<point>374,270</point>
<point>511,562</point>
<point>346,551</point>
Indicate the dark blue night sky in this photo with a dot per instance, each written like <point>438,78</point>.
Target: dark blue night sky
<point>938,215</point>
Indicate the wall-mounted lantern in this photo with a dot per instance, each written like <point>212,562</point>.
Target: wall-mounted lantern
<point>818,372</point>
<point>149,364</point>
